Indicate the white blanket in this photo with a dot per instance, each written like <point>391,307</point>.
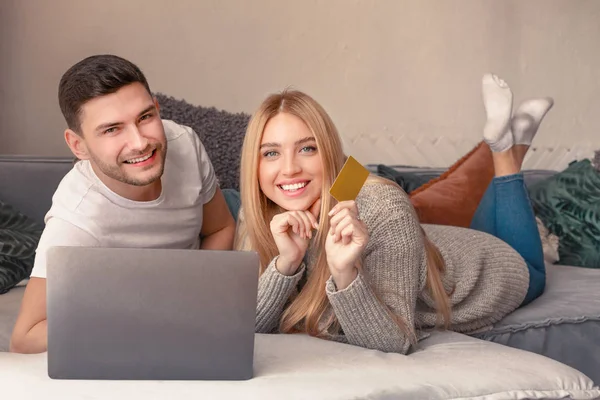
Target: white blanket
<point>448,366</point>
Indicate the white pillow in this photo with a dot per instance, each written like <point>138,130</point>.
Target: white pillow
<point>449,366</point>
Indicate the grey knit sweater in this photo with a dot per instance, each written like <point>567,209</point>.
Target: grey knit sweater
<point>489,278</point>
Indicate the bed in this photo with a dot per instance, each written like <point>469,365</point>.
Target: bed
<point>545,350</point>
<point>447,366</point>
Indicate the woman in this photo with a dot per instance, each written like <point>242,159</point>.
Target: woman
<point>366,272</point>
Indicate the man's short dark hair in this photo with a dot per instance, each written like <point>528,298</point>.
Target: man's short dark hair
<point>92,77</point>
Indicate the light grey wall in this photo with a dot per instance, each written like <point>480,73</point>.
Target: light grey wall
<point>385,69</point>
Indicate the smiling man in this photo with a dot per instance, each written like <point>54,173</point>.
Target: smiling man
<point>140,181</point>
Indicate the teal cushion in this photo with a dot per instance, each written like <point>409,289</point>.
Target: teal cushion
<point>407,180</point>
<point>569,205</point>
<point>19,236</point>
<point>232,198</point>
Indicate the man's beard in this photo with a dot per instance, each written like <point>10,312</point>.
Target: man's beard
<point>117,173</point>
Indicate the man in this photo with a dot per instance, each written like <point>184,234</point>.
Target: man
<point>127,190</point>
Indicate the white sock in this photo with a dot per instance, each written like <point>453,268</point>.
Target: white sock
<point>497,100</point>
<point>528,117</point>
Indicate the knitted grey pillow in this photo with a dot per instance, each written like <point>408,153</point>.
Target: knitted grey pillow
<point>596,161</point>
<point>221,132</point>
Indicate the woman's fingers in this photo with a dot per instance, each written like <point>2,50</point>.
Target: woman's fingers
<point>306,227</point>
<point>341,215</point>
<point>349,204</point>
<point>347,233</point>
<point>343,224</point>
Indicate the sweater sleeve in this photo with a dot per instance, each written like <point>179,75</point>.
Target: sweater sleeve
<point>389,283</point>
<point>274,290</point>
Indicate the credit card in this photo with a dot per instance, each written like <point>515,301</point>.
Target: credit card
<point>349,181</point>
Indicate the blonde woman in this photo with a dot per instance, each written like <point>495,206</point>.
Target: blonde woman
<point>365,272</point>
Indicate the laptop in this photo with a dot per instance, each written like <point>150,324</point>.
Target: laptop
<point>151,314</point>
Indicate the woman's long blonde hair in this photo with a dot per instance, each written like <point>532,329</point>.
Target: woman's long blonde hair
<point>306,310</point>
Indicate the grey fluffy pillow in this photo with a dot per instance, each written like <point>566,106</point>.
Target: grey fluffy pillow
<point>221,132</point>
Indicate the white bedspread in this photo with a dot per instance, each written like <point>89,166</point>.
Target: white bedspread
<point>449,366</point>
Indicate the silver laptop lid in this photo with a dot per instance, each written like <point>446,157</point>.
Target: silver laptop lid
<point>151,313</point>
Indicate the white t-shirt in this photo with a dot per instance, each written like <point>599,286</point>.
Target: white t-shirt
<point>85,212</point>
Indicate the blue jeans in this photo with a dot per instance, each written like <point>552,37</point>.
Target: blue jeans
<point>506,212</point>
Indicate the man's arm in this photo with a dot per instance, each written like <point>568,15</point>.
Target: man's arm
<point>218,225</point>
<point>30,334</point>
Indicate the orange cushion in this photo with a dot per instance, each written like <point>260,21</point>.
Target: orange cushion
<point>453,197</point>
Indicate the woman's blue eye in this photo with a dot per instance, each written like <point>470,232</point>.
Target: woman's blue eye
<point>270,153</point>
<point>309,148</point>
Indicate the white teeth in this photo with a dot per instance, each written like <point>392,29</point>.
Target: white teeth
<point>137,160</point>
<point>293,187</point>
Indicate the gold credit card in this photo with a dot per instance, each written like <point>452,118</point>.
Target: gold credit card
<point>349,181</point>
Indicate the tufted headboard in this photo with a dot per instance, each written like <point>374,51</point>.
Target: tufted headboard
<point>441,152</point>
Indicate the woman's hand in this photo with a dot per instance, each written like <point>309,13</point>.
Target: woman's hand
<point>292,231</point>
<point>346,240</point>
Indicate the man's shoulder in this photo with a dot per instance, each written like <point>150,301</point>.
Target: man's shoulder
<point>182,140</point>
<point>73,195</point>
<point>183,143</point>
<point>175,131</point>
<point>75,185</point>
